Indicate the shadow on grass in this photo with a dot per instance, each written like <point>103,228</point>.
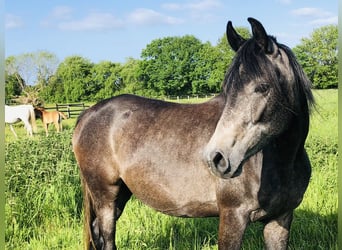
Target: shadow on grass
<point>309,231</point>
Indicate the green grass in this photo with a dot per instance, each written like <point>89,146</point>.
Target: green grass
<point>44,199</point>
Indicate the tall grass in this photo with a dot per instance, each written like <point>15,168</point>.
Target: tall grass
<point>42,192</point>
<point>44,200</point>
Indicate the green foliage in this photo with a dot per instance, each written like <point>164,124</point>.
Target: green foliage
<point>74,73</point>
<point>106,80</point>
<point>207,75</point>
<point>14,83</point>
<point>54,91</point>
<point>129,76</point>
<point>184,65</point>
<point>167,64</point>
<point>12,87</point>
<point>318,57</point>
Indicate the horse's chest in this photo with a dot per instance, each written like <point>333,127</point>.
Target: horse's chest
<point>278,193</point>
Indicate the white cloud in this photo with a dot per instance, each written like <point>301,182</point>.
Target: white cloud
<point>13,22</point>
<point>200,10</point>
<point>62,18</point>
<point>172,6</point>
<point>315,16</point>
<point>93,22</point>
<point>202,5</point>
<point>311,12</point>
<point>61,13</point>
<point>286,2</point>
<point>147,16</point>
<point>325,21</point>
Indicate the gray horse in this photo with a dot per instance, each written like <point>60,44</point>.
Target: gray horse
<point>239,156</point>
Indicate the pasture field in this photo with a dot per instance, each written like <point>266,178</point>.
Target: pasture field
<point>44,198</point>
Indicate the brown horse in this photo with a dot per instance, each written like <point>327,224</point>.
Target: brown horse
<point>239,156</point>
<point>48,117</point>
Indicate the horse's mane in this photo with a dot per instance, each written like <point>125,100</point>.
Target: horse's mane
<point>254,62</point>
<point>303,84</point>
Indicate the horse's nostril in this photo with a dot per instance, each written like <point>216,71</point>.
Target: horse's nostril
<point>221,163</point>
<point>218,158</point>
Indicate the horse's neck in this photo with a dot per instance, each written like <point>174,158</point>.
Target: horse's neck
<point>285,169</point>
<point>287,148</point>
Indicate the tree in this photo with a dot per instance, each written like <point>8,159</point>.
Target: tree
<point>12,87</point>
<point>30,69</point>
<point>318,56</point>
<point>204,76</point>
<point>53,92</point>
<point>185,65</point>
<point>106,80</point>
<point>16,69</point>
<point>74,74</point>
<point>46,66</point>
<point>129,76</point>
<point>167,65</point>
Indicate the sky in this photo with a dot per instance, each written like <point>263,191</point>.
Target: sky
<point>117,30</point>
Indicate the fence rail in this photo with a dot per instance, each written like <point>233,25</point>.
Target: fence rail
<point>189,97</point>
<point>70,109</point>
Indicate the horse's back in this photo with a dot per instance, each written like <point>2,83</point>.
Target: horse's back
<point>17,113</point>
<point>134,112</point>
<point>128,122</point>
<point>97,121</point>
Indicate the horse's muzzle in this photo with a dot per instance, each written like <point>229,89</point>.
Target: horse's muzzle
<point>220,165</point>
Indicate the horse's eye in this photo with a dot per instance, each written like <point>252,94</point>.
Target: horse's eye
<point>262,88</point>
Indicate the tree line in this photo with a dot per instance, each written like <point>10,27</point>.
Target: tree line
<point>168,66</point>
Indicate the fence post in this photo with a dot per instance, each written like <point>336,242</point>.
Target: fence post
<point>69,115</point>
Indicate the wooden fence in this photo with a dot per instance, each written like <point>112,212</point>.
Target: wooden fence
<point>70,109</point>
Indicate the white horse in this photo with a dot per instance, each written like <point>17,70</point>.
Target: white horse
<point>24,113</point>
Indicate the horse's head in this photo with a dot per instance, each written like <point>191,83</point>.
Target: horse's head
<point>265,90</point>
<point>38,112</point>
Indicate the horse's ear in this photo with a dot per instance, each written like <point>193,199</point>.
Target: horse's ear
<point>261,36</point>
<point>234,39</point>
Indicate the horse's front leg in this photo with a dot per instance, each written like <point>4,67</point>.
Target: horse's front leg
<point>28,128</point>
<point>57,126</point>
<point>276,232</point>
<point>46,126</point>
<point>232,226</point>
<point>12,129</point>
